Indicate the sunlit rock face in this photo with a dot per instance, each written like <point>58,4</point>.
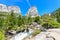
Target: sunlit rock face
<point>3,8</point>
<point>15,9</point>
<point>33,12</point>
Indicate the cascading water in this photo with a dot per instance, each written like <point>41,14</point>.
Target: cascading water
<point>22,35</point>
<point>19,36</point>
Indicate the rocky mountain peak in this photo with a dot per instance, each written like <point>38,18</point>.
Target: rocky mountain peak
<point>15,9</point>
<point>33,12</point>
<point>4,8</point>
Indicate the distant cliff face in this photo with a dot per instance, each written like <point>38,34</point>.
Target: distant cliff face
<point>33,12</point>
<point>15,9</point>
<point>4,8</point>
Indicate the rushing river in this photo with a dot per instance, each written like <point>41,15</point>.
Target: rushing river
<point>21,35</point>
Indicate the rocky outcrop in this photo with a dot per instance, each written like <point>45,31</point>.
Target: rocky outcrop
<point>51,34</point>
<point>33,12</point>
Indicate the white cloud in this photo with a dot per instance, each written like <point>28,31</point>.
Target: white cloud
<point>28,3</point>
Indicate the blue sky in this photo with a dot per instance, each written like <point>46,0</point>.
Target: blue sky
<point>43,6</point>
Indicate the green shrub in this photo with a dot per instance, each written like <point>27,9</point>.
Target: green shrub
<point>35,32</point>
<point>2,37</point>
